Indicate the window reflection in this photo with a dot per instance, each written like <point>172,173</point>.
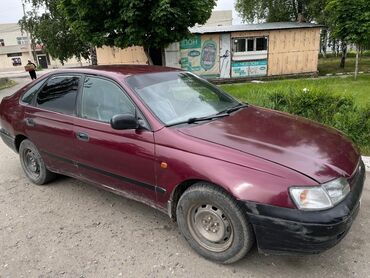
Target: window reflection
<point>102,99</point>
<point>59,94</point>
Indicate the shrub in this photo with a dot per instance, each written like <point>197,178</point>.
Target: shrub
<point>338,111</point>
<point>3,81</point>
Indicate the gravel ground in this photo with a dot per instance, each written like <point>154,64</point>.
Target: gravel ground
<point>72,229</point>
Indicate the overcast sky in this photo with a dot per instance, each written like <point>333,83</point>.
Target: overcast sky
<point>11,10</point>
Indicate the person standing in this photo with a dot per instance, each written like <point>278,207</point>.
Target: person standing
<point>31,68</point>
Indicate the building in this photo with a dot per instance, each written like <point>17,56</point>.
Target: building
<point>220,18</point>
<point>250,50</point>
<point>136,55</point>
<point>235,51</point>
<point>114,55</point>
<point>15,51</point>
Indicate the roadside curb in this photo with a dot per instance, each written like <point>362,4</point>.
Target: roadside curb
<point>366,160</point>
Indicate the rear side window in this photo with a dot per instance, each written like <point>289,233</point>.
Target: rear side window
<point>59,94</point>
<point>28,96</point>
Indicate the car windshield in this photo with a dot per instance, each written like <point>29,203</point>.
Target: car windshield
<point>179,97</point>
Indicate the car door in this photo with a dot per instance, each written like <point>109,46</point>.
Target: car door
<point>122,160</point>
<point>49,122</point>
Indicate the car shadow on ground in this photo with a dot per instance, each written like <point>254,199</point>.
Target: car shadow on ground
<point>253,260</point>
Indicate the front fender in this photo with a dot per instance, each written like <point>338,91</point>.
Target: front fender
<point>242,182</point>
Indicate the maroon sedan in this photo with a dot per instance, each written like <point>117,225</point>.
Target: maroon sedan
<point>229,173</point>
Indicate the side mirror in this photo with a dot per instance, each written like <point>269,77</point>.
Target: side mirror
<point>124,121</point>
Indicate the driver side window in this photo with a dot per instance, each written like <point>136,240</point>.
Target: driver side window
<point>102,99</point>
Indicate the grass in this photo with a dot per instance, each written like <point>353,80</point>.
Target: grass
<point>6,83</point>
<point>331,65</point>
<point>257,93</point>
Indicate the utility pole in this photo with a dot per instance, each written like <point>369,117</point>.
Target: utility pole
<point>28,36</point>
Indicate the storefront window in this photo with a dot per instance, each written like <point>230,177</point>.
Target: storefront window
<point>261,44</point>
<point>239,45</point>
<point>250,44</point>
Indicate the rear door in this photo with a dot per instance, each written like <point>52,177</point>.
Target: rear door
<point>122,160</point>
<point>49,122</point>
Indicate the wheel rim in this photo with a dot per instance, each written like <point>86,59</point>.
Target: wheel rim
<point>210,227</point>
<point>31,163</point>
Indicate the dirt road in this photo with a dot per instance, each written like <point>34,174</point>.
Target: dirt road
<point>72,229</point>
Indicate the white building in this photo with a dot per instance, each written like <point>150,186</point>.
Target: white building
<point>15,51</point>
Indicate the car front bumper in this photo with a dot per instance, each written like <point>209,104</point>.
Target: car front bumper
<point>283,230</point>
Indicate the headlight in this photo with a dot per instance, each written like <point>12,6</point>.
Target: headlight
<point>320,197</point>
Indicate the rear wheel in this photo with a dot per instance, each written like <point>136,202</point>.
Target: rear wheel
<point>33,165</point>
<point>214,224</point>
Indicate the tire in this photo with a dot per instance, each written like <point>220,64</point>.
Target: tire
<point>33,165</point>
<point>198,211</point>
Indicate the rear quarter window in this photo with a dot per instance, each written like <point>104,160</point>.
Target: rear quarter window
<point>31,92</point>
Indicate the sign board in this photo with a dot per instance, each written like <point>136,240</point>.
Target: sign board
<point>249,68</point>
<point>199,55</point>
<point>193,42</point>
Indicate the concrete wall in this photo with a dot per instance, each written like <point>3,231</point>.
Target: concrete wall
<point>10,32</point>
<point>113,55</point>
<point>73,62</point>
<point>219,18</point>
<point>7,65</point>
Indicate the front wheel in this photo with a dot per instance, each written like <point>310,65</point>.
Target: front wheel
<point>33,165</point>
<point>214,224</point>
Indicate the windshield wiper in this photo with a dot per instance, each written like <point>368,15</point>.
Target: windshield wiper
<point>233,109</point>
<point>206,118</point>
<point>200,119</point>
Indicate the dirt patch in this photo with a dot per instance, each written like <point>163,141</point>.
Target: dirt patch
<point>72,229</point>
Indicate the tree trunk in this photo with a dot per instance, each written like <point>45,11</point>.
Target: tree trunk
<point>300,11</point>
<point>344,55</point>
<point>333,47</point>
<point>324,42</point>
<point>147,54</point>
<point>356,67</point>
<point>33,50</point>
<point>93,58</point>
<point>295,10</point>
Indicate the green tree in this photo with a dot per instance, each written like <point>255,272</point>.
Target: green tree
<point>350,22</point>
<point>124,23</point>
<point>28,23</point>
<point>51,29</point>
<point>275,10</point>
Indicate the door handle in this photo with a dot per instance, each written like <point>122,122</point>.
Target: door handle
<point>82,136</point>
<point>30,122</point>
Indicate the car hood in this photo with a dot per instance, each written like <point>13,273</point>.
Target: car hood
<point>314,150</point>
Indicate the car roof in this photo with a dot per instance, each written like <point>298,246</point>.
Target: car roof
<point>124,70</point>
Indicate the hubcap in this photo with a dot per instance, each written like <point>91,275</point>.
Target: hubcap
<point>210,227</point>
<point>32,164</point>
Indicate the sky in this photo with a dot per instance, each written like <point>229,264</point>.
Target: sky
<point>11,10</point>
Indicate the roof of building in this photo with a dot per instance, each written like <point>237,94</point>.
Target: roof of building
<point>252,27</point>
